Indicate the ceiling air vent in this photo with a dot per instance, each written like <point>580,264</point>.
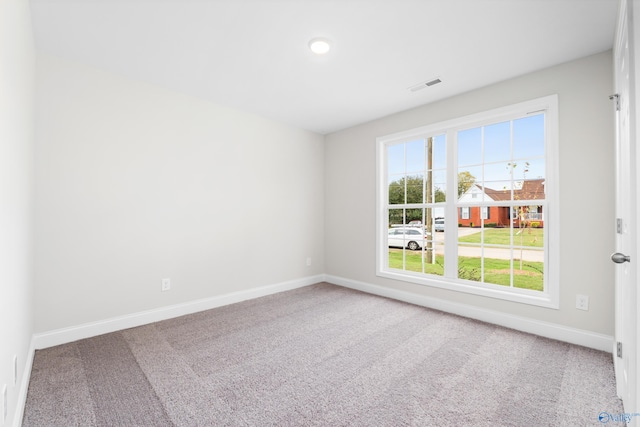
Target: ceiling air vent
<point>423,85</point>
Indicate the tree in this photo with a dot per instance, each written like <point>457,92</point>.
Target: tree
<point>465,182</point>
<point>414,190</point>
<point>522,212</point>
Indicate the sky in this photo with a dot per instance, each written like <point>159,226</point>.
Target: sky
<point>512,147</point>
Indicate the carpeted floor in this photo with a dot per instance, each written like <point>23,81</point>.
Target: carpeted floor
<point>321,355</point>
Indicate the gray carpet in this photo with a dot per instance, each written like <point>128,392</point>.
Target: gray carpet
<point>321,355</point>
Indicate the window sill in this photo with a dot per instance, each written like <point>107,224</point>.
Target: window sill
<point>523,296</point>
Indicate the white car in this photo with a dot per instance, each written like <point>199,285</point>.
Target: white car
<point>411,238</point>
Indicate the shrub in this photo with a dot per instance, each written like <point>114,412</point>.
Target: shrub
<point>535,224</point>
<point>469,274</point>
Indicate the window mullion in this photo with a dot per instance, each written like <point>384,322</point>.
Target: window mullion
<point>451,208</point>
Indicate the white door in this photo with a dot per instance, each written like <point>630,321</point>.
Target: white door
<point>625,271</point>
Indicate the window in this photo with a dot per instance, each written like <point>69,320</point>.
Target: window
<point>492,178</point>
<point>486,212</point>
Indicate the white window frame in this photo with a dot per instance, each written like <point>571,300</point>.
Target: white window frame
<point>485,212</point>
<point>465,212</point>
<point>549,297</point>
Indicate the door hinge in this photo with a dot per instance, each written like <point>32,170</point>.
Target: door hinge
<point>616,97</point>
<point>619,225</point>
<point>619,349</point>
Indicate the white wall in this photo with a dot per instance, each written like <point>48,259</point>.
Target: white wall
<point>586,190</point>
<point>135,183</point>
<point>17,68</point>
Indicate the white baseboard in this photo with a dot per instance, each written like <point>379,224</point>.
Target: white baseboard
<point>87,330</point>
<point>24,386</point>
<point>524,324</point>
<point>537,327</point>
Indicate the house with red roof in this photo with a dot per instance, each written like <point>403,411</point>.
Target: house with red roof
<point>501,216</point>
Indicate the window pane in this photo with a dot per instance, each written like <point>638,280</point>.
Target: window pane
<point>396,190</point>
<point>528,268</point>
<point>467,177</point>
<point>396,239</point>
<point>470,147</point>
<point>415,189</point>
<point>415,156</point>
<point>496,191</point>
<point>396,217</point>
<point>528,137</point>
<point>433,255</point>
<point>497,266</point>
<point>528,230</point>
<point>414,216</point>
<point>528,252</point>
<point>470,263</point>
<point>497,172</point>
<point>530,276</point>
<point>520,170</point>
<point>536,168</point>
<point>413,245</point>
<point>499,217</point>
<point>497,142</point>
<point>395,159</point>
<point>532,189</point>
<point>439,187</point>
<point>524,186</point>
<point>439,152</point>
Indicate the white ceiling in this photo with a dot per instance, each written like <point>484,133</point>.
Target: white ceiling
<point>253,54</point>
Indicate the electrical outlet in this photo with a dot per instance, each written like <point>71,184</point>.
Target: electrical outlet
<point>308,261</point>
<point>582,302</point>
<point>166,284</point>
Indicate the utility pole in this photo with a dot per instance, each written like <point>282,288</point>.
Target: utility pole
<point>430,255</point>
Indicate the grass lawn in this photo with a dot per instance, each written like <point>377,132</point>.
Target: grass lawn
<point>533,237</point>
<point>496,271</point>
<point>414,262</point>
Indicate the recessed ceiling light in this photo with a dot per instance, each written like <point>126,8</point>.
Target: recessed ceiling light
<point>319,45</point>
